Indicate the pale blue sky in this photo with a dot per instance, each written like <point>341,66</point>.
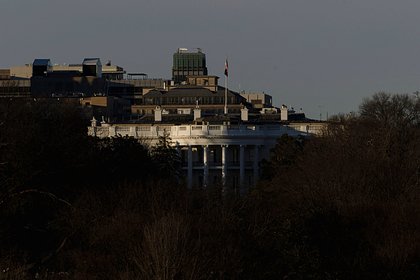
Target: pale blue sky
<point>316,54</point>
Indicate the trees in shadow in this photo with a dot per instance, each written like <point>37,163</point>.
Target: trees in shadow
<point>351,198</point>
<point>341,206</point>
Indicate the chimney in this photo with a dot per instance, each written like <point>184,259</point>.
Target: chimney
<point>197,113</point>
<point>158,114</point>
<point>93,122</point>
<point>244,114</point>
<point>283,113</point>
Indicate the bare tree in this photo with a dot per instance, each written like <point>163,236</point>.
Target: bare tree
<point>392,110</point>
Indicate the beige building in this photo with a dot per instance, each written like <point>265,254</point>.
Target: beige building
<point>15,88</point>
<point>200,90</point>
<point>208,82</point>
<point>21,72</point>
<point>106,107</point>
<point>258,100</point>
<point>108,71</point>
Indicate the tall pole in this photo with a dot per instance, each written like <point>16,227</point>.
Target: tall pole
<point>226,85</point>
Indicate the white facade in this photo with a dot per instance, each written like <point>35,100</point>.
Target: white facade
<point>215,154</point>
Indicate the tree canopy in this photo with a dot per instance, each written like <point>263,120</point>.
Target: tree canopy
<point>341,206</point>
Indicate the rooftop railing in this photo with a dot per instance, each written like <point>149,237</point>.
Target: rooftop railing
<point>154,131</point>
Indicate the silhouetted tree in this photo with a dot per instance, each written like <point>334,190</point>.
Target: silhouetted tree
<point>392,110</point>
<point>352,195</point>
<point>341,206</point>
<point>166,158</point>
<point>283,155</point>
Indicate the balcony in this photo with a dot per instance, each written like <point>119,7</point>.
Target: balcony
<point>207,134</point>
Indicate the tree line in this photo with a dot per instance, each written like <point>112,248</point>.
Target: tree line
<point>341,206</point>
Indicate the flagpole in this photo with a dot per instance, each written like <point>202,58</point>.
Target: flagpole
<point>226,111</point>
<point>226,86</point>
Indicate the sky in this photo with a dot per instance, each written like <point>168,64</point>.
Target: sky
<point>324,56</point>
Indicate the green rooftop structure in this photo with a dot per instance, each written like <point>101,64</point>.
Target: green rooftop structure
<point>187,63</point>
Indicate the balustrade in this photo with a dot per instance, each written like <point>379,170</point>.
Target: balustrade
<point>236,136</point>
<point>203,130</point>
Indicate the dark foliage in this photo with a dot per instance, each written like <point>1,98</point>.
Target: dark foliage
<point>166,159</point>
<point>341,206</point>
<point>352,199</point>
<point>283,155</point>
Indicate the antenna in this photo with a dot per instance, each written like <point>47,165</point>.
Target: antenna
<point>320,111</point>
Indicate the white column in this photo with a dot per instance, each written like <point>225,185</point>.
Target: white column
<point>256,161</point>
<point>133,131</point>
<point>112,131</point>
<point>224,165</point>
<point>190,167</point>
<point>205,165</point>
<point>241,166</point>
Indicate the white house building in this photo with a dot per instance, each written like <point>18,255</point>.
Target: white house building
<point>225,150</point>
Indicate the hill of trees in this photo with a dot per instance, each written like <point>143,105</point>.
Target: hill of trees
<point>342,206</point>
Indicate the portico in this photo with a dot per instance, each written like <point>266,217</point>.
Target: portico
<point>213,154</point>
<point>231,164</point>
